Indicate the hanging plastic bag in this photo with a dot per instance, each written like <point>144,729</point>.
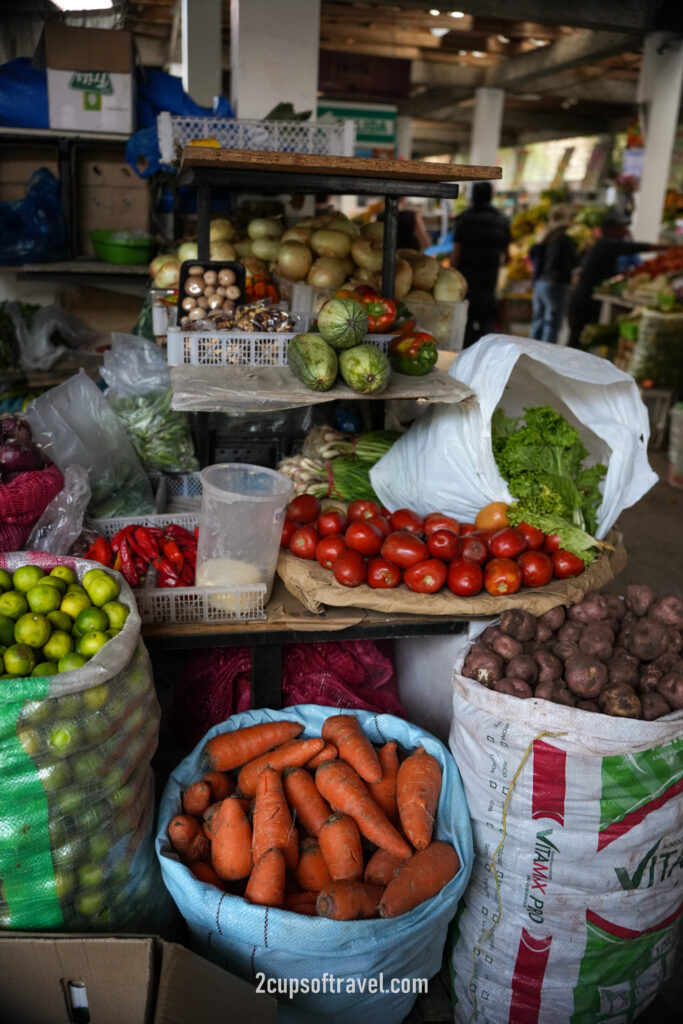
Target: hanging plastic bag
<point>76,426</point>
<point>445,460</point>
<point>62,521</point>
<point>33,229</point>
<point>140,394</point>
<point>37,348</point>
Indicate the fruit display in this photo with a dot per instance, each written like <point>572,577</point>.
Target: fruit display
<point>618,656</point>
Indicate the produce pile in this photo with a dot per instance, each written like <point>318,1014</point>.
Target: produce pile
<point>658,280</point>
<point>606,654</point>
<point>326,826</point>
<point>337,465</point>
<point>51,623</point>
<point>385,549</point>
<point>209,295</point>
<point>168,554</point>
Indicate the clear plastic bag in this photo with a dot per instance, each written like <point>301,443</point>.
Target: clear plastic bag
<point>62,521</point>
<point>76,426</point>
<point>37,351</point>
<point>140,395</point>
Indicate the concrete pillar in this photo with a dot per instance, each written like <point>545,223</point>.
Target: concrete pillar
<point>202,49</point>
<point>486,125</point>
<point>659,97</point>
<point>404,138</point>
<point>274,55</point>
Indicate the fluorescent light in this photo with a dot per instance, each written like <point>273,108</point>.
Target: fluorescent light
<point>439,31</point>
<point>83,5</point>
<point>502,39</point>
<point>456,14</point>
<point>462,53</point>
<point>435,14</point>
<point>478,53</point>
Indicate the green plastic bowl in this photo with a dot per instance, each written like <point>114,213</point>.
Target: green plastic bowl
<point>122,246</point>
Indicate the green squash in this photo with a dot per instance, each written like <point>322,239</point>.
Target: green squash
<point>342,323</point>
<point>365,369</point>
<point>312,360</point>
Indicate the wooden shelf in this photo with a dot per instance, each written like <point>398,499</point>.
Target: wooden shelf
<point>57,135</point>
<point>93,268</point>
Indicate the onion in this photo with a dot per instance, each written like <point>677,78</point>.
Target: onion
<point>221,251</point>
<point>187,251</point>
<point>14,427</point>
<point>367,253</point>
<point>450,286</point>
<point>221,230</point>
<point>265,248</point>
<point>349,266</point>
<point>416,295</point>
<point>168,275</point>
<point>294,260</point>
<point>340,222</point>
<point>407,254</point>
<point>19,457</point>
<point>375,229</point>
<point>425,271</point>
<point>298,233</point>
<point>403,279</point>
<point>330,243</point>
<point>326,272</point>
<point>253,265</point>
<point>158,261</point>
<point>264,227</point>
<point>243,247</point>
<point>363,276</point>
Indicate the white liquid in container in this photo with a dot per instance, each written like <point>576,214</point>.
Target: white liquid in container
<point>229,572</point>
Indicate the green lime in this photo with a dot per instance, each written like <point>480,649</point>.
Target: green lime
<point>91,574</point>
<point>86,766</point>
<point>70,662</point>
<point>45,668</point>
<point>5,580</point>
<point>68,706</point>
<point>74,588</point>
<point>6,631</point>
<point>26,576</point>
<point>19,660</point>
<point>30,741</point>
<point>35,712</point>
<point>96,726</point>
<point>101,588</point>
<point>96,697</point>
<point>91,619</point>
<point>63,572</point>
<point>63,738</point>
<point>74,603</point>
<point>43,599</point>
<point>111,633</point>
<point>60,620</point>
<point>89,644</point>
<point>90,903</point>
<point>59,644</point>
<point>70,801</point>
<point>117,613</point>
<point>54,776</point>
<point>13,604</point>
<point>64,883</point>
<point>54,581</point>
<point>32,629</point>
<point>99,846</point>
<point>90,875</point>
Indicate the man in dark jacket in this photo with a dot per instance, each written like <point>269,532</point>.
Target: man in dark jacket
<point>554,258</point>
<point>481,238</point>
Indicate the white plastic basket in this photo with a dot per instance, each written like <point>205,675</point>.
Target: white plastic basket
<point>331,138</point>
<point>176,492</point>
<point>446,321</point>
<point>228,348</point>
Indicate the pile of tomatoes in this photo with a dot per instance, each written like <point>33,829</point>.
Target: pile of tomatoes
<point>371,545</point>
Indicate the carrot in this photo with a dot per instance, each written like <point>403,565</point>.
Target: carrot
<point>196,798</point>
<point>312,872</point>
<point>384,791</point>
<point>328,753</point>
<point>349,901</point>
<point>422,876</point>
<point>182,831</point>
<point>231,854</point>
<point>301,902</point>
<point>291,850</point>
<point>379,870</point>
<point>289,755</point>
<point>221,785</point>
<point>266,885</point>
<point>353,745</point>
<point>208,817</point>
<point>304,799</point>
<point>418,787</point>
<point>204,873</point>
<point>272,822</point>
<point>340,846</point>
<point>229,750</point>
<point>200,849</point>
<point>346,793</point>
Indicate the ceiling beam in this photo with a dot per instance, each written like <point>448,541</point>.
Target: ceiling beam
<point>598,89</point>
<point>433,99</point>
<point>571,52</point>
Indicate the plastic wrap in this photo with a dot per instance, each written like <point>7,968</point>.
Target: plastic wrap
<point>62,521</point>
<point>37,351</point>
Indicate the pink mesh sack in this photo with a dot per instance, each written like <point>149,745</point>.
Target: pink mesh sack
<point>23,501</point>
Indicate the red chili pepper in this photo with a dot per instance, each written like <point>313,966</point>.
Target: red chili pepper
<point>141,566</point>
<point>147,544</point>
<point>196,533</point>
<point>190,554</point>
<point>168,581</point>
<point>130,573</point>
<point>165,568</point>
<point>178,534</point>
<point>174,555</point>
<point>381,313</point>
<point>187,575</point>
<point>123,534</point>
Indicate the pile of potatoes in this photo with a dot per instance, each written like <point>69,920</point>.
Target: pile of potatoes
<point>618,656</point>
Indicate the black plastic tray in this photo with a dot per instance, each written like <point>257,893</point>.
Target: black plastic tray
<point>238,268</point>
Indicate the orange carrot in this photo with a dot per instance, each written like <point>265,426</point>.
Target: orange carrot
<point>266,885</point>
<point>421,877</point>
<point>312,872</point>
<point>272,821</point>
<point>291,850</point>
<point>199,849</point>
<point>183,830</point>
<point>384,791</point>
<point>346,793</point>
<point>196,798</point>
<point>304,800</point>
<point>208,817</point>
<point>289,755</point>
<point>301,903</point>
<point>229,750</point>
<point>340,846</point>
<point>231,841</point>
<point>379,870</point>
<point>417,794</point>
<point>349,901</point>
<point>221,785</point>
<point>204,873</point>
<point>353,745</point>
<point>328,753</point>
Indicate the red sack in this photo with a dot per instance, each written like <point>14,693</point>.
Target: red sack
<point>216,683</point>
<point>22,503</point>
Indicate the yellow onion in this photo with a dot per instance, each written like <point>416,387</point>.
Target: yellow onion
<point>327,272</point>
<point>403,279</point>
<point>221,230</point>
<point>187,251</point>
<point>367,253</point>
<point>450,286</point>
<point>298,233</point>
<point>222,250</point>
<point>265,248</point>
<point>158,261</point>
<point>326,242</point>
<point>425,271</point>
<point>167,275</point>
<point>264,227</point>
<point>294,260</point>
<point>416,295</point>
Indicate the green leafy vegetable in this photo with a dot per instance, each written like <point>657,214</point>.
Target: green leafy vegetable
<point>160,436</point>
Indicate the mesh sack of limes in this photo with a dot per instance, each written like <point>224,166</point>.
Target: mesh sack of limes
<point>79,723</point>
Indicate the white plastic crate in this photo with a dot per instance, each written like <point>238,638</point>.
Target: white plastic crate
<point>446,321</point>
<point>176,492</point>
<point>228,348</point>
<point>108,527</point>
<point>332,138</point>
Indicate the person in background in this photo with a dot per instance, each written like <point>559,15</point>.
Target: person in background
<point>481,237</point>
<point>411,231</point>
<point>554,258</point>
<point>600,263</point>
<point>323,204</point>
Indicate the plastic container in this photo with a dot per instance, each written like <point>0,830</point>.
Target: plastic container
<point>122,246</point>
<point>243,508</point>
<point>242,348</point>
<point>446,321</point>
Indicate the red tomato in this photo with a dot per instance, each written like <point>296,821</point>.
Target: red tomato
<point>502,576</point>
<point>537,569</point>
<point>362,509</point>
<point>534,538</point>
<point>565,564</point>
<point>404,549</point>
<point>383,575</point>
<point>304,541</point>
<point>288,528</point>
<point>406,519</point>
<point>331,522</point>
<point>303,509</point>
<point>465,578</point>
<point>329,549</point>
<point>485,536</point>
<point>466,528</point>
<point>444,544</point>
<point>426,577</point>
<point>349,569</point>
<point>507,543</point>
<point>551,543</point>
<point>438,521</point>
<point>360,536</point>
<point>381,523</point>
<point>473,549</point>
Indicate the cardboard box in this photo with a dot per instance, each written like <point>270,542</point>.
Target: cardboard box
<point>138,979</point>
<point>90,80</point>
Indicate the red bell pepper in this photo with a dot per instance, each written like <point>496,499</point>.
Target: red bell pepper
<point>381,314</point>
<point>100,551</point>
<point>414,353</point>
<point>405,320</point>
<point>174,555</point>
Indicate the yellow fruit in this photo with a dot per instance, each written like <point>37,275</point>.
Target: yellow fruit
<point>19,660</point>
<point>43,599</point>
<point>26,576</point>
<point>32,629</point>
<point>73,604</point>
<point>59,644</point>
<point>13,604</point>
<point>63,572</point>
<point>117,613</point>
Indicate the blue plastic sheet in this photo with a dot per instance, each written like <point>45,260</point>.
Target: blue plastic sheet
<point>33,229</point>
